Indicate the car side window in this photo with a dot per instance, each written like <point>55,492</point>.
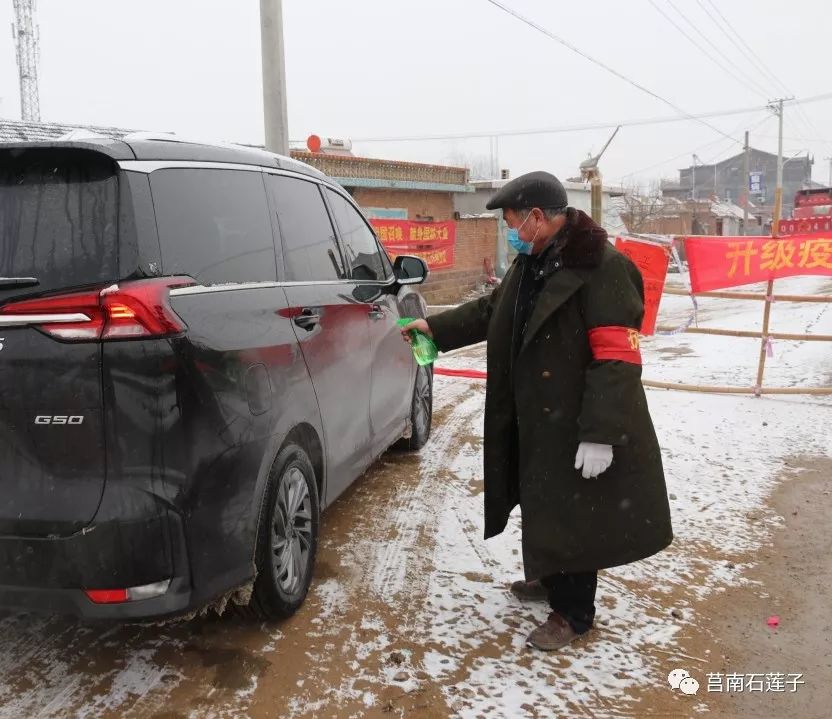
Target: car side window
<point>310,250</point>
<point>360,246</point>
<point>214,225</point>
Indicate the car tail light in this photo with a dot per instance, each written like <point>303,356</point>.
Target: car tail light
<point>106,596</point>
<point>131,594</point>
<point>132,310</point>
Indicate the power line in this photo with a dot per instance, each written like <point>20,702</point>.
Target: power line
<point>562,128</point>
<point>755,60</point>
<point>687,153</point>
<point>592,126</point>
<point>727,59</point>
<point>722,153</point>
<point>807,100</point>
<point>824,140</point>
<point>744,82</point>
<point>744,47</point>
<point>602,65</point>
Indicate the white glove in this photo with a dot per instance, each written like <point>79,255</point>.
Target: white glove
<point>594,459</point>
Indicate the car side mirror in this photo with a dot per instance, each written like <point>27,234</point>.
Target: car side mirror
<point>410,270</point>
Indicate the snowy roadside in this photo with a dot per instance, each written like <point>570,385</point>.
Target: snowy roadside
<point>409,613</point>
<point>722,458</point>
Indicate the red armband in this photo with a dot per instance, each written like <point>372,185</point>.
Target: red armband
<point>615,343</point>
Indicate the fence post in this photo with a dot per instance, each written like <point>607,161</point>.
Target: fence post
<point>758,388</point>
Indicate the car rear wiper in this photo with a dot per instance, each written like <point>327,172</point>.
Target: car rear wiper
<point>12,282</point>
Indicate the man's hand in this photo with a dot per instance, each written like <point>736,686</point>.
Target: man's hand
<point>420,325</point>
<point>594,459</point>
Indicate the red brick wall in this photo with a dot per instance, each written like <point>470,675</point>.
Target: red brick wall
<point>476,239</point>
<point>418,203</point>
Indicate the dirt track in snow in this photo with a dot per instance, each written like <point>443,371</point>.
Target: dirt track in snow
<point>409,616</point>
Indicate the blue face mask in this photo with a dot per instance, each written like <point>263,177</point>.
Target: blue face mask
<point>514,241</point>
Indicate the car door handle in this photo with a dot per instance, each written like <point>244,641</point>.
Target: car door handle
<point>308,319</point>
<point>376,313</point>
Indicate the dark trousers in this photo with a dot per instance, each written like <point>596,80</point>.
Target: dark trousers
<point>573,597</point>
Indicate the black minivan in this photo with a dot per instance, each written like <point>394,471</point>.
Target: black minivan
<point>198,352</point>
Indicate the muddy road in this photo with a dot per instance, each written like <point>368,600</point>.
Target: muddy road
<point>409,613</point>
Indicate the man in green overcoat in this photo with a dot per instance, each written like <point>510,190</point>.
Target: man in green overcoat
<point>568,434</point>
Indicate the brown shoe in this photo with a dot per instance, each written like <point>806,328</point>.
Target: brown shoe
<point>554,633</point>
<point>532,591</point>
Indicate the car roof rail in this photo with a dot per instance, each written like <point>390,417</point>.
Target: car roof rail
<point>82,134</point>
<point>155,136</point>
<point>285,161</point>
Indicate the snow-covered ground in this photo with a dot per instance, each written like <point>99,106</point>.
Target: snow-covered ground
<point>406,585</point>
<point>722,455</point>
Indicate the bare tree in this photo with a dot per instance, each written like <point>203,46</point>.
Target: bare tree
<point>643,208</point>
<point>479,166</point>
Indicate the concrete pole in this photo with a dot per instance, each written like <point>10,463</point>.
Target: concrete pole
<point>778,193</point>
<point>693,217</point>
<point>274,76</point>
<point>747,170</point>
<point>596,198</point>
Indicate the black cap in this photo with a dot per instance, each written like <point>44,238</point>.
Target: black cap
<point>534,189</point>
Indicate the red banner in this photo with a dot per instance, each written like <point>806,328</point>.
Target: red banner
<point>434,242</point>
<point>719,262</point>
<point>652,260</point>
<point>801,226</point>
<point>811,198</point>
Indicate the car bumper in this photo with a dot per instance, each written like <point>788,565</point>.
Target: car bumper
<point>51,574</point>
<point>74,602</point>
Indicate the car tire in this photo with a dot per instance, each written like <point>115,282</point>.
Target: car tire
<point>421,411</point>
<point>287,537</point>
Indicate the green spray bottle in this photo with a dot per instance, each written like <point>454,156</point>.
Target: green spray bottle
<point>424,351</point>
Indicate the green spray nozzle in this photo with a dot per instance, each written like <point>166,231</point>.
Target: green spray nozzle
<point>424,350</point>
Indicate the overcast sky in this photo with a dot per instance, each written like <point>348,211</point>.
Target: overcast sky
<point>394,68</point>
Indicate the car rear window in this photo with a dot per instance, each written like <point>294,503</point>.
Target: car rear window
<point>214,225</point>
<point>58,219</point>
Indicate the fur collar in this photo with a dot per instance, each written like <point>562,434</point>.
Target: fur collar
<point>582,242</point>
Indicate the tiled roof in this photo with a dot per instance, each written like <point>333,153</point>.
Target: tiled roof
<point>19,131</point>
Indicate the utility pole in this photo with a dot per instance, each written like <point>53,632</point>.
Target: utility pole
<point>778,192</point>
<point>747,171</point>
<point>274,76</point>
<point>830,170</point>
<point>693,194</point>
<point>25,33</point>
<point>777,107</point>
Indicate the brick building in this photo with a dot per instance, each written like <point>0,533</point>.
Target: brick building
<point>726,180</point>
<point>670,216</point>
